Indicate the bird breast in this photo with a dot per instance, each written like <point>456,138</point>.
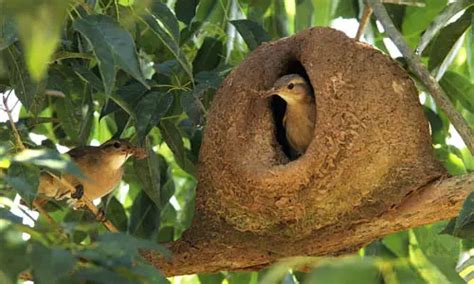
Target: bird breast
<point>299,126</point>
<point>100,182</point>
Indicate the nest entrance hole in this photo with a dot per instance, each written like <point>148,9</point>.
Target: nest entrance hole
<point>278,107</point>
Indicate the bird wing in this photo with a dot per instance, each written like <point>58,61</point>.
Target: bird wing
<point>79,151</point>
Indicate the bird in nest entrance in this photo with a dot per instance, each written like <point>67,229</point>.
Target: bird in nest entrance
<point>299,117</point>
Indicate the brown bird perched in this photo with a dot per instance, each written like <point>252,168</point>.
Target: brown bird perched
<point>102,168</point>
<point>300,111</point>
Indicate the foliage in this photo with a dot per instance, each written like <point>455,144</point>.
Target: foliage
<point>88,70</point>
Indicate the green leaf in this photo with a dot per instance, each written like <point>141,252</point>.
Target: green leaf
<point>162,13</point>
<point>242,278</point>
<point>148,172</point>
<point>13,251</point>
<point>99,275</point>
<point>464,226</point>
<point>157,26</point>
<point>355,271</point>
<point>213,12</point>
<point>276,24</point>
<point>144,217</point>
<point>470,51</point>
<point>59,263</point>
<point>208,56</point>
<point>190,104</point>
<point>440,20</point>
<point>434,255</point>
<point>150,273</point>
<point>29,92</point>
<point>397,243</point>
<point>112,241</point>
<point>24,179</point>
<point>417,19</point>
<point>76,109</point>
<point>323,11</point>
<point>39,30</point>
<point>447,37</point>
<point>149,111</point>
<point>304,14</point>
<point>459,88</point>
<point>5,214</point>
<point>126,98</point>
<point>173,139</point>
<point>48,158</point>
<point>252,33</point>
<point>113,47</point>
<point>7,32</point>
<point>116,213</point>
<point>185,10</point>
<point>215,278</point>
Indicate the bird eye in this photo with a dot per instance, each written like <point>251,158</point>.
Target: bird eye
<point>117,145</point>
<point>290,86</point>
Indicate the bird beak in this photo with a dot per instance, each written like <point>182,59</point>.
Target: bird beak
<point>271,92</point>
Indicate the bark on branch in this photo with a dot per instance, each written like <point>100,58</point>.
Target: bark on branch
<point>202,248</point>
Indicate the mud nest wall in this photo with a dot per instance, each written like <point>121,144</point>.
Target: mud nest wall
<point>371,145</point>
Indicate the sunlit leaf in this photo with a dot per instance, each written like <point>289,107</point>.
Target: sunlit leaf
<point>441,250</point>
<point>304,14</point>
<point>440,20</point>
<point>162,13</point>
<point>447,37</point>
<point>168,38</point>
<point>29,92</point>
<point>48,158</point>
<point>39,30</point>
<point>459,88</point>
<point>323,11</point>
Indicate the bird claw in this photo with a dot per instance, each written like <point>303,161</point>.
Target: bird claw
<point>79,192</point>
<point>100,217</point>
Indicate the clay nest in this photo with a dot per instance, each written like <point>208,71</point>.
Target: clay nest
<point>371,145</point>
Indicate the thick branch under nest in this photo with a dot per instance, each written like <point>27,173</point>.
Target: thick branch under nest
<point>202,250</point>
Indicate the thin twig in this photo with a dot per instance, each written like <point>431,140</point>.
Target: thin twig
<point>16,134</point>
<point>364,20</point>
<point>424,75</point>
<point>21,146</point>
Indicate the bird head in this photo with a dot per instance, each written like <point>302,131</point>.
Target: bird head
<point>115,152</point>
<point>292,88</point>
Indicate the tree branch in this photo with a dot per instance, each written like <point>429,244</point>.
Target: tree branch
<point>419,69</point>
<point>201,250</point>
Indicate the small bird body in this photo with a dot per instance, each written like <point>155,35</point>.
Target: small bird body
<point>102,168</point>
<point>300,111</point>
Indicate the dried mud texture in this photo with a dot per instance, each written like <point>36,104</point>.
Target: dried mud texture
<point>371,145</point>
